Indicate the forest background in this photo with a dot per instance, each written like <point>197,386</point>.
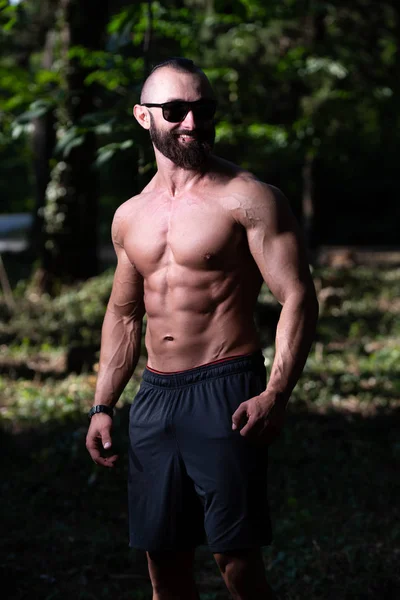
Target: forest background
<point>308,101</point>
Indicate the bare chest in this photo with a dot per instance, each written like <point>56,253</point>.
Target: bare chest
<point>191,235</point>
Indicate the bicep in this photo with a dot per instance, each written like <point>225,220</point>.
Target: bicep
<point>127,295</point>
<point>277,246</point>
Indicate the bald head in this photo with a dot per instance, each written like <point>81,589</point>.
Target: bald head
<point>160,83</point>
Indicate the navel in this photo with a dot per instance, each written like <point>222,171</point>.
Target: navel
<point>168,338</point>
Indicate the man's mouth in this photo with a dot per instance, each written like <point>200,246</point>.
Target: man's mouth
<point>184,137</point>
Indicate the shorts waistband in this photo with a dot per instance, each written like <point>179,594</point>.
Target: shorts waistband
<point>227,366</point>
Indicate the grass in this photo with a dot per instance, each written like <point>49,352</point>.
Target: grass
<point>334,473</point>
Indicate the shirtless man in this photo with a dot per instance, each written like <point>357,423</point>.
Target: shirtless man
<point>193,250</point>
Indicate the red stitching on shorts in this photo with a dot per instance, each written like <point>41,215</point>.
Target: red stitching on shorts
<point>214,362</point>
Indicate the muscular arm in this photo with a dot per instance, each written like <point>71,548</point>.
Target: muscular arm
<point>122,327</point>
<point>277,247</point>
<point>120,346</point>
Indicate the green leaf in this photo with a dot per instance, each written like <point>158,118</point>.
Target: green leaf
<point>71,139</point>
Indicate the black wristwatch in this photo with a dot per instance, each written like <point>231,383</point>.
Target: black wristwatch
<point>101,408</point>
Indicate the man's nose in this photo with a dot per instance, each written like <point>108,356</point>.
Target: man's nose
<point>189,120</point>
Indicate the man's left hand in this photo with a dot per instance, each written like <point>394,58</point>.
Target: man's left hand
<point>261,418</point>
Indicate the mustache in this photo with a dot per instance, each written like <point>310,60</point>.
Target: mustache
<point>192,132</point>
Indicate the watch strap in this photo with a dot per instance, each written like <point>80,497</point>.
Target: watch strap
<point>100,408</point>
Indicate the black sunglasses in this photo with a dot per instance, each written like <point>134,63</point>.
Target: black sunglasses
<point>176,110</point>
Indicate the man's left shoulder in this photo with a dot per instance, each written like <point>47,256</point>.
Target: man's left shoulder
<point>251,199</point>
<point>255,190</point>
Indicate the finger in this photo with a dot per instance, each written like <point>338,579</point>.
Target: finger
<point>106,439</point>
<point>247,429</point>
<point>93,445</point>
<point>239,414</point>
<point>108,461</point>
<point>94,451</point>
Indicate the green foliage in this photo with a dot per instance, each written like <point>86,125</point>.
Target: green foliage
<point>8,16</point>
<point>32,402</point>
<point>294,87</point>
<point>75,315</point>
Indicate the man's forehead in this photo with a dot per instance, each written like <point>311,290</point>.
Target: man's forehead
<point>167,84</point>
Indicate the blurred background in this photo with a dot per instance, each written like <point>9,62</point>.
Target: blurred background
<point>308,100</point>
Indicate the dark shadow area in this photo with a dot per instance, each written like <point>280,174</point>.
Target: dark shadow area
<point>334,491</point>
<point>266,317</point>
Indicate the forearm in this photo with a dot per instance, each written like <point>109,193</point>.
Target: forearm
<point>294,336</point>
<point>119,354</point>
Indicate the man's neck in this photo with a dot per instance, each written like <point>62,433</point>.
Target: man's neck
<point>176,180</point>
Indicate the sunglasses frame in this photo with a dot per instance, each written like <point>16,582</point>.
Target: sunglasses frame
<point>191,106</point>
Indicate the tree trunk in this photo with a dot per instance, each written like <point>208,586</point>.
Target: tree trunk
<point>71,212</point>
<point>308,198</point>
<point>43,142</point>
<point>147,40</point>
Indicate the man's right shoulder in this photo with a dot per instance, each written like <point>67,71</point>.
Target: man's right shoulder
<point>125,210</point>
<point>123,215</point>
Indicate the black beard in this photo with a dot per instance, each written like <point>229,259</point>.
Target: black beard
<point>188,155</point>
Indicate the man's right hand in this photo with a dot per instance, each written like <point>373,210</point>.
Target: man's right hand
<point>98,440</point>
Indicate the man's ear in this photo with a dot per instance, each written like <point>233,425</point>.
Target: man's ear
<point>142,116</point>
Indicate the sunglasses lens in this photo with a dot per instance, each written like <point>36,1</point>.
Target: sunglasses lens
<point>204,111</point>
<point>176,112</point>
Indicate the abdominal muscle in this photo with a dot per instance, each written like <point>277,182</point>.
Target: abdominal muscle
<point>196,317</point>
